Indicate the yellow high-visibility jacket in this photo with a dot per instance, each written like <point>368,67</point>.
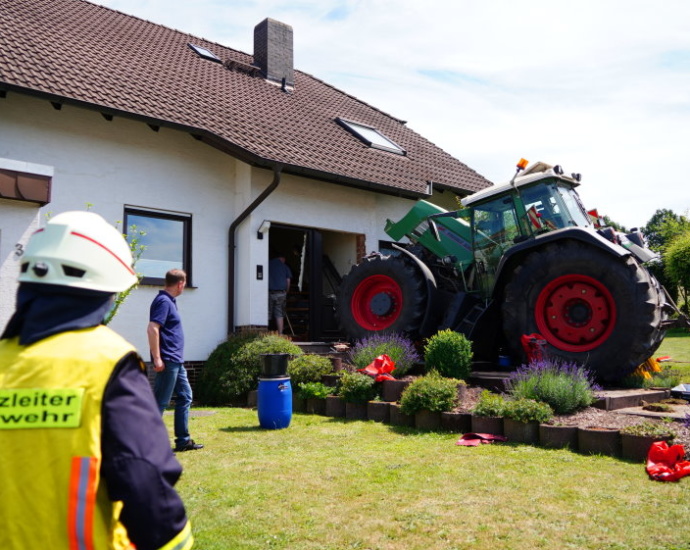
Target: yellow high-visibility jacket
<point>52,494</point>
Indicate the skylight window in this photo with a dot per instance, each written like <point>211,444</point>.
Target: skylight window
<point>203,52</point>
<point>371,136</point>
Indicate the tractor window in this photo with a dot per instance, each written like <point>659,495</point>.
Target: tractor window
<point>495,228</point>
<point>551,206</point>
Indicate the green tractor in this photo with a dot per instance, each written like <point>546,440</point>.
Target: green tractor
<point>523,258</point>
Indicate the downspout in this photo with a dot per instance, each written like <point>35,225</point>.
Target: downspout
<point>231,243</point>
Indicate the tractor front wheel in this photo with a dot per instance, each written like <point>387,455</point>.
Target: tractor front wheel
<point>591,307</point>
<point>381,294</point>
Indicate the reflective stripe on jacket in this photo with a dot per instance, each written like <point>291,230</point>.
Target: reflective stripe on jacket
<point>51,398</point>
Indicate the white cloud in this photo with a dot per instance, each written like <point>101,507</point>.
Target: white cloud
<point>598,86</point>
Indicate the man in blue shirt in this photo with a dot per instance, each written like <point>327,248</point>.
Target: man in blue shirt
<point>166,341</point>
<point>279,275</point>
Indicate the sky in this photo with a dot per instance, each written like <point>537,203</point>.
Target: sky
<point>600,87</point>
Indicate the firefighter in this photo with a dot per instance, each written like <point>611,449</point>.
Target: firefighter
<point>85,460</point>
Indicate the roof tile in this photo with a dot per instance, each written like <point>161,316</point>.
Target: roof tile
<point>76,51</point>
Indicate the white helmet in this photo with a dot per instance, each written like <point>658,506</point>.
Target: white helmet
<point>80,250</point>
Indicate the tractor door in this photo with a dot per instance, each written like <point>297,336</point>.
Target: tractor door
<point>494,228</point>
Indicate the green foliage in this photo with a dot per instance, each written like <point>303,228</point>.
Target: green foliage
<point>400,349</point>
<point>314,390</point>
<point>565,387</point>
<point>677,265</point>
<point>355,387</point>
<point>527,410</point>
<point>432,393</point>
<point>489,404</point>
<point>664,226</point>
<point>233,368</point>
<point>308,368</point>
<point>450,353</point>
<point>661,431</point>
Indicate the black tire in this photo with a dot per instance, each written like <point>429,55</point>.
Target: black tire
<point>382,294</point>
<point>592,308</point>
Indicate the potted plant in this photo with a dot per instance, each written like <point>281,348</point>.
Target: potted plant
<point>357,390</point>
<point>487,414</point>
<point>521,419</point>
<point>638,438</point>
<point>314,394</point>
<point>427,397</point>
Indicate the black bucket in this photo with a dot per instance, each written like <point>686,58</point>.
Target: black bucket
<point>274,365</point>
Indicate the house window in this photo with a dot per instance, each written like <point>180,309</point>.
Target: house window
<point>203,52</point>
<point>371,136</point>
<point>166,239</point>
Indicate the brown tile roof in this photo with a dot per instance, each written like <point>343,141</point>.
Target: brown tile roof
<point>76,52</point>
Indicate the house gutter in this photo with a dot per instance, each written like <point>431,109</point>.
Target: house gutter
<point>231,243</point>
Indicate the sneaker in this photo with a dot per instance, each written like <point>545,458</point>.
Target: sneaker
<point>189,446</point>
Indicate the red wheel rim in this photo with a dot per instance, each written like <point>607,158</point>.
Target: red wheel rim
<point>575,313</point>
<point>376,302</point>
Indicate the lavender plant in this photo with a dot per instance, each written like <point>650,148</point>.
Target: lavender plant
<point>565,387</point>
<point>400,349</point>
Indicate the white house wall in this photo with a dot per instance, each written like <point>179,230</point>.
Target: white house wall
<point>306,203</point>
<point>123,162</point>
<point>118,163</point>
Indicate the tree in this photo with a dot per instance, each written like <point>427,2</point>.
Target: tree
<point>677,260</point>
<point>663,227</point>
<point>137,248</point>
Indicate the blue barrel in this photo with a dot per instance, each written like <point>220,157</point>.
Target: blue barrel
<point>274,402</point>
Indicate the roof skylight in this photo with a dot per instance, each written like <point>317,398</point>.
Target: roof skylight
<point>203,52</point>
<point>371,136</point>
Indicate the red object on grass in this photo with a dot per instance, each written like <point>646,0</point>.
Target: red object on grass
<point>475,439</point>
<point>666,463</point>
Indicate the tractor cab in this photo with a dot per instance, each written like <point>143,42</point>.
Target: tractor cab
<point>543,199</point>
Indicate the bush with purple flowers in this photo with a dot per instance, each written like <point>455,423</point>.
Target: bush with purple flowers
<point>400,349</point>
<point>566,387</point>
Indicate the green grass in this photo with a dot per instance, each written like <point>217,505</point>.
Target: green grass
<point>331,484</point>
<point>677,346</point>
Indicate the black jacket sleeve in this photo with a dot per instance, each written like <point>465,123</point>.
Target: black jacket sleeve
<point>139,467</point>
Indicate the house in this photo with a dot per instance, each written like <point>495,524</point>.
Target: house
<point>219,156</point>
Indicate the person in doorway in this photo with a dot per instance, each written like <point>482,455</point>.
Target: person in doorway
<point>279,275</point>
<point>166,342</point>
<point>85,461</point>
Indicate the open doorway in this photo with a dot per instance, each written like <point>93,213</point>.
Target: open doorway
<point>317,259</point>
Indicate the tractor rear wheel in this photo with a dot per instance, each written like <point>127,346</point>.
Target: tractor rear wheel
<point>381,294</point>
<point>593,308</point>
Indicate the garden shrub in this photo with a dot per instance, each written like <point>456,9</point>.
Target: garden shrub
<point>566,387</point>
<point>661,431</point>
<point>400,349</point>
<point>355,387</point>
<point>489,404</point>
<point>233,368</point>
<point>314,390</point>
<point>308,368</point>
<point>527,410</point>
<point>432,393</point>
<point>450,353</point>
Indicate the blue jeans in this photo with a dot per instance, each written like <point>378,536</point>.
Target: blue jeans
<point>174,379</point>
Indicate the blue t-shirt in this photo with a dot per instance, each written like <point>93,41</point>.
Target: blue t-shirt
<point>278,274</point>
<point>164,312</point>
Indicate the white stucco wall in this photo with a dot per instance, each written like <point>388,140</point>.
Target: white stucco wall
<point>122,162</point>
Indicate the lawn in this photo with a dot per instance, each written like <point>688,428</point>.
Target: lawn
<point>333,484</point>
<point>676,345</point>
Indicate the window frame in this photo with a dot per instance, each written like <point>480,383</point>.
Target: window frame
<point>352,127</point>
<point>185,219</point>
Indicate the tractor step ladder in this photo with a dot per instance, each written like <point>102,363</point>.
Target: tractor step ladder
<point>466,326</point>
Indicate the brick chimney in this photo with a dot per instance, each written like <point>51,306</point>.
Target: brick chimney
<point>273,51</point>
